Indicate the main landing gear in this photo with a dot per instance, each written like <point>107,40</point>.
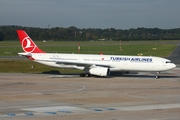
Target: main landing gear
<point>85,75</point>
<point>157,75</point>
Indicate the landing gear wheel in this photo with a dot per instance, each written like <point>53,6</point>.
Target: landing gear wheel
<point>157,75</point>
<point>88,75</point>
<point>85,75</point>
<point>82,75</point>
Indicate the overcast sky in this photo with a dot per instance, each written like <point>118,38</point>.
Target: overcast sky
<point>119,14</point>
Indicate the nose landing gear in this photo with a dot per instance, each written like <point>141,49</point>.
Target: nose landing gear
<point>157,75</point>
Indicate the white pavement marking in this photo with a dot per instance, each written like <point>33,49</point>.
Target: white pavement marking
<point>125,108</point>
<point>55,108</point>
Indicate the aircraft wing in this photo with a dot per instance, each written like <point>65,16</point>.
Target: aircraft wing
<point>84,64</point>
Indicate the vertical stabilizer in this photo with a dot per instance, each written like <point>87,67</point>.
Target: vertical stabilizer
<point>27,43</point>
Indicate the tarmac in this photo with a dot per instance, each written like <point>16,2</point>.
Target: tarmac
<point>135,96</point>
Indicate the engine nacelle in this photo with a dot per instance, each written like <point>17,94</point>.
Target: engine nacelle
<point>100,71</point>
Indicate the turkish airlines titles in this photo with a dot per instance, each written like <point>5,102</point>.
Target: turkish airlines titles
<point>132,59</point>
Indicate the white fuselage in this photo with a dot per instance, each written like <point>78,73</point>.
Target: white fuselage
<point>99,65</point>
<point>113,62</point>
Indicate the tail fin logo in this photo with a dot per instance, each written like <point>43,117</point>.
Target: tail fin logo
<point>28,45</point>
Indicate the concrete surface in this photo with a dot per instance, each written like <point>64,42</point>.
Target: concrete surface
<point>133,97</point>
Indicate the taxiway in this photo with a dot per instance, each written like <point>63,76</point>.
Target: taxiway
<point>133,97</point>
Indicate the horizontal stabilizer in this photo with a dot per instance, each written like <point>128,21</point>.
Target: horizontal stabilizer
<point>28,55</point>
<point>24,54</point>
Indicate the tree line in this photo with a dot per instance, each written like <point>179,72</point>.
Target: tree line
<point>76,34</point>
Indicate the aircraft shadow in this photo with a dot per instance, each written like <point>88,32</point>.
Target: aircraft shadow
<point>143,76</point>
<point>112,75</point>
<point>53,72</point>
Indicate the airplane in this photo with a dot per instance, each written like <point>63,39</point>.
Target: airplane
<point>97,65</point>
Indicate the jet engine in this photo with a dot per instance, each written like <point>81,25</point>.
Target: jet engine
<point>100,71</point>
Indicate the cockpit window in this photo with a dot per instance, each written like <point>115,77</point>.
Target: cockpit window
<point>168,62</point>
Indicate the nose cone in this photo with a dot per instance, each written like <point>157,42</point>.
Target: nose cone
<point>173,65</point>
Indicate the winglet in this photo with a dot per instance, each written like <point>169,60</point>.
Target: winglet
<point>27,43</point>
